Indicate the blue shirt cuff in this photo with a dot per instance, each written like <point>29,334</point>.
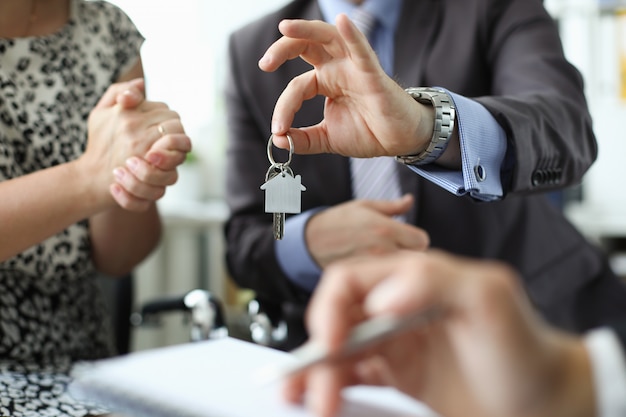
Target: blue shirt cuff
<point>293,255</point>
<point>483,146</point>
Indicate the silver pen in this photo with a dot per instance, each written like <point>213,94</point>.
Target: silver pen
<point>361,337</point>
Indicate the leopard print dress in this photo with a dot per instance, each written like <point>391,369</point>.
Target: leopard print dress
<point>52,314</point>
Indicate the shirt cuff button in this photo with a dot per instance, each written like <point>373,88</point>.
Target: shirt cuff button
<point>480,173</point>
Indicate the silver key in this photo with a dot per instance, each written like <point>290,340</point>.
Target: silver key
<point>282,190</point>
<point>279,225</point>
<point>278,219</point>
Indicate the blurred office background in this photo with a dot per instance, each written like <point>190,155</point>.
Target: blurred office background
<point>184,61</point>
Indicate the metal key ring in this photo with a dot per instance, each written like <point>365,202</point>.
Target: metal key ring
<point>269,151</point>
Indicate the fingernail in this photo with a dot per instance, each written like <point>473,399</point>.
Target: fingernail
<point>131,94</point>
<point>276,127</point>
<point>132,163</point>
<point>382,296</point>
<point>154,159</point>
<point>118,173</point>
<point>264,60</point>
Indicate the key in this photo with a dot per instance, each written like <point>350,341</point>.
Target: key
<point>282,195</point>
<point>278,219</point>
<point>279,225</point>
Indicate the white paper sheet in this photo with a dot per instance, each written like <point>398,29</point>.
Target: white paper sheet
<point>215,378</point>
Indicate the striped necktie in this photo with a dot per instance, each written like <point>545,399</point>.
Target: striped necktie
<point>373,178</point>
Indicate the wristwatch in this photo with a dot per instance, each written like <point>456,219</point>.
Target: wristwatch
<point>443,127</point>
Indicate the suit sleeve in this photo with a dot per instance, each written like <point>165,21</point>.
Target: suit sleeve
<point>538,98</point>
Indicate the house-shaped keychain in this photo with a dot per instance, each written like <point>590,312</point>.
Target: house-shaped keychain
<point>283,193</point>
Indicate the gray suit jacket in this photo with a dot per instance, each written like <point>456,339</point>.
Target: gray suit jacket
<point>507,55</point>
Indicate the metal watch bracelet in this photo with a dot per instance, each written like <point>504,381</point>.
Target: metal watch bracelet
<point>443,126</point>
